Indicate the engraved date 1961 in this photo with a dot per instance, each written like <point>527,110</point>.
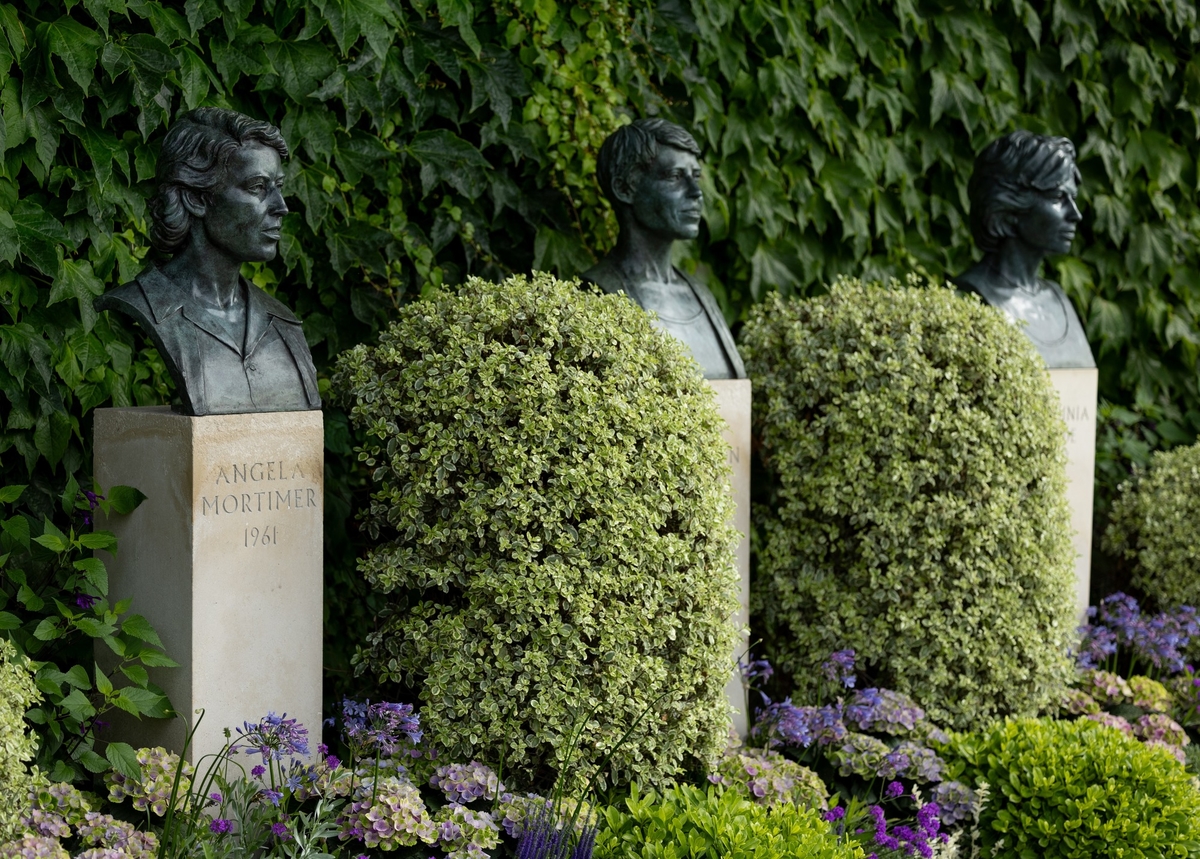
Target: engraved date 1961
<point>265,536</point>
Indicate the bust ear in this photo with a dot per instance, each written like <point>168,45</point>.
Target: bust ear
<point>194,203</point>
<point>622,189</point>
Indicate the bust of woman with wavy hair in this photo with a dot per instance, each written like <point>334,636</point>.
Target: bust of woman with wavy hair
<point>229,346</point>
<point>1022,195</point>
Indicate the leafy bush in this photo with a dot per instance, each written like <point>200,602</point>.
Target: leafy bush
<point>1156,524</point>
<point>552,517</point>
<point>1070,790</point>
<point>715,824</point>
<point>913,506</point>
<point>17,745</point>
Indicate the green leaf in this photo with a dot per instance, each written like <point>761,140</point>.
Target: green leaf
<point>78,47</point>
<point>8,620</point>
<point>39,234</point>
<point>9,494</point>
<point>143,702</point>
<point>92,762</point>
<point>103,684</point>
<point>125,499</point>
<point>94,571</point>
<point>78,706</point>
<point>136,673</point>
<point>92,627</point>
<point>97,540</point>
<point>47,630</point>
<point>55,542</point>
<point>75,279</point>
<point>124,760</point>
<point>137,626</point>
<point>155,659</point>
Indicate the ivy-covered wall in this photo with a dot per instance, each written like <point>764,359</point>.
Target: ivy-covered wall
<point>439,138</point>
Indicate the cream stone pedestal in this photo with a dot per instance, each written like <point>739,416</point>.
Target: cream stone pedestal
<point>733,401</point>
<point>224,558</point>
<point>1077,389</point>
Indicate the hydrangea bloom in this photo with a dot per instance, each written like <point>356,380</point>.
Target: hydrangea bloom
<point>104,831</point>
<point>1107,687</point>
<point>273,736</point>
<point>1175,751</point>
<point>801,726</point>
<point>464,833</point>
<point>33,847</point>
<point>51,803</point>
<point>465,783</point>
<point>1160,727</point>
<point>770,779</point>
<point>860,754</point>
<point>1079,703</point>
<point>884,710</point>
<point>955,801</point>
<point>396,818</point>
<point>48,823</point>
<point>924,765</point>
<point>153,789</point>
<point>1150,694</point>
<point>1112,721</point>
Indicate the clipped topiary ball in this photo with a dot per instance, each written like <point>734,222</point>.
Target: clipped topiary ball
<point>1078,790</point>
<point>1155,523</point>
<point>553,513</point>
<point>915,499</point>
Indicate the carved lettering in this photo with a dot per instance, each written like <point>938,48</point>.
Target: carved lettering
<point>237,474</point>
<point>312,494</point>
<point>205,505</point>
<point>270,471</point>
<point>259,475</point>
<point>221,475</point>
<point>295,470</point>
<point>225,503</point>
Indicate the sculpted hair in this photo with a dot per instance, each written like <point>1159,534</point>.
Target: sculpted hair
<point>632,148</point>
<point>1009,174</point>
<point>194,155</point>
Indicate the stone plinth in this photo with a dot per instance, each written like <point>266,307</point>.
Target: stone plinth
<point>1077,393</point>
<point>224,558</point>
<point>733,401</point>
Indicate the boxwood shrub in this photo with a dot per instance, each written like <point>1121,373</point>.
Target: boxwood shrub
<point>552,515</point>
<point>1155,523</point>
<point>913,504</point>
<point>1077,790</point>
<point>715,824</point>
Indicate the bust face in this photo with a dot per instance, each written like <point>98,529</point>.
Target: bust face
<point>667,199</point>
<point>245,212</point>
<point>1049,224</point>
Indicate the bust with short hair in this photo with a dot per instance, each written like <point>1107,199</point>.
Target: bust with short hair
<point>650,172</point>
<point>1022,194</point>
<point>230,347</point>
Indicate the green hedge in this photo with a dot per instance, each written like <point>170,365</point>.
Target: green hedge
<point>1156,525</point>
<point>440,138</point>
<point>1077,790</point>
<point>913,505</point>
<point>551,531</point>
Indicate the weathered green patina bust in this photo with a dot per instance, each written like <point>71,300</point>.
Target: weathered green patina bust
<point>229,346</point>
<point>650,172</point>
<point>1022,195</point>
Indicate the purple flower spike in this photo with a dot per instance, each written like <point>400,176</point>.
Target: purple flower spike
<point>219,826</point>
<point>839,668</point>
<point>893,790</point>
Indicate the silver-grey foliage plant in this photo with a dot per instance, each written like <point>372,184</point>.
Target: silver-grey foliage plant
<point>552,512</point>
<point>916,509</point>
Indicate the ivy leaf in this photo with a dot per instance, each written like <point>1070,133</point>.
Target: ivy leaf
<point>195,78</point>
<point>10,243</point>
<point>444,155</point>
<point>104,150</point>
<point>40,234</point>
<point>301,66</point>
<point>75,279</point>
<point>460,14</point>
<point>78,47</point>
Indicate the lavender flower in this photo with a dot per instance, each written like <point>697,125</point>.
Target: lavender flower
<point>272,737</point>
<point>544,838</point>
<point>219,826</point>
<point>893,790</point>
<point>839,668</point>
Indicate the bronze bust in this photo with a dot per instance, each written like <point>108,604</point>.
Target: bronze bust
<point>229,346</point>
<point>650,172</point>
<point>1022,195</point>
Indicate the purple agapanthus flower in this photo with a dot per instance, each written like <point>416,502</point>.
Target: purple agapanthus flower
<point>384,727</point>
<point>272,737</point>
<point>839,668</point>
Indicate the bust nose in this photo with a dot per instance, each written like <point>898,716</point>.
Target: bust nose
<point>276,204</point>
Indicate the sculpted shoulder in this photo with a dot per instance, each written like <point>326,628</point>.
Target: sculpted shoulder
<point>605,275</point>
<point>271,305</point>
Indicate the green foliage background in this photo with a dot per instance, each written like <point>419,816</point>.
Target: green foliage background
<point>439,138</point>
